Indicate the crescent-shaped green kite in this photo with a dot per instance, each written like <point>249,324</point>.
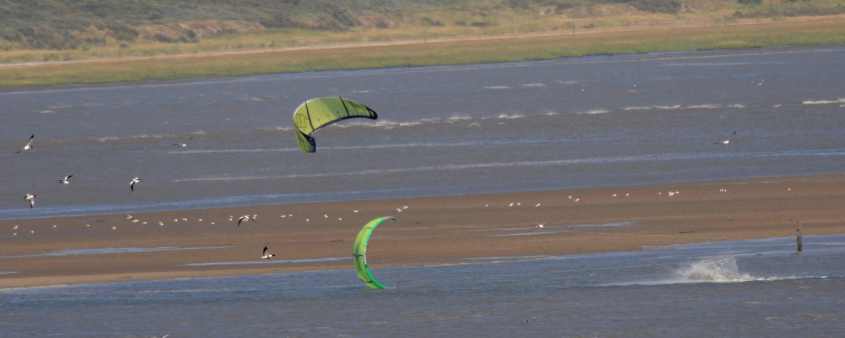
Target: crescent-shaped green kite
<point>359,252</point>
<point>322,111</point>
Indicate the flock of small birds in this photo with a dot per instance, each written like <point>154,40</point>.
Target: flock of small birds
<point>29,198</point>
<point>266,254</point>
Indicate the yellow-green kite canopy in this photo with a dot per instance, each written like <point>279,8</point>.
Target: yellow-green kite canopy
<point>359,253</point>
<point>322,111</point>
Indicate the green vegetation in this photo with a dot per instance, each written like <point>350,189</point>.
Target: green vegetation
<point>85,24</point>
<point>758,9</point>
<point>776,33</point>
<point>136,40</point>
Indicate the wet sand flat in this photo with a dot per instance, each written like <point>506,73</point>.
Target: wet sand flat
<point>432,230</point>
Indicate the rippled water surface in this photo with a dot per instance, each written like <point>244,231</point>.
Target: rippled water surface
<point>726,289</point>
<point>619,120</point>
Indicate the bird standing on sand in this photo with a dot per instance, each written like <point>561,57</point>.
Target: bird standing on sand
<point>133,182</point>
<point>65,180</point>
<point>28,145</point>
<point>245,218</point>
<point>266,254</point>
<point>30,198</point>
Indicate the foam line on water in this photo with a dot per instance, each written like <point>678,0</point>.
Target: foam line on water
<point>537,163</point>
<point>533,233</point>
<point>478,143</point>
<point>593,112</point>
<point>602,225</point>
<point>497,87</point>
<point>699,106</point>
<point>819,102</point>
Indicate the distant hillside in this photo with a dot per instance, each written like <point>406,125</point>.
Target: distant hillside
<point>63,24</point>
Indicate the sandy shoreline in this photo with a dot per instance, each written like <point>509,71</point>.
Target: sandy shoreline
<point>431,230</point>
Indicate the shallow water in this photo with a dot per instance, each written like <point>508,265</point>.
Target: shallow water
<point>574,122</point>
<point>723,289</point>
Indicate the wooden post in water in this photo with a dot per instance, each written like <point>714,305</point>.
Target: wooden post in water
<point>799,242</point>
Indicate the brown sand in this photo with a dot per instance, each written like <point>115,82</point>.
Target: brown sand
<point>430,231</point>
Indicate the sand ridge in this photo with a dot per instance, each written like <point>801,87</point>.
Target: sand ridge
<point>431,230</point>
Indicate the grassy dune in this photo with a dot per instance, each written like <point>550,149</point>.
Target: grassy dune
<point>821,31</point>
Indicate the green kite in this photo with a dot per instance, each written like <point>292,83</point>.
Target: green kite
<point>322,111</point>
<point>359,252</point>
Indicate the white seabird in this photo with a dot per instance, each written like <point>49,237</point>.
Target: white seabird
<point>133,182</point>
<point>28,146</point>
<point>245,218</point>
<point>266,254</point>
<point>726,141</point>
<point>30,198</point>
<point>65,180</point>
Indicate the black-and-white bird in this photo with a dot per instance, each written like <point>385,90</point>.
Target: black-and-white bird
<point>180,145</point>
<point>28,146</point>
<point>133,182</point>
<point>65,180</point>
<point>30,198</point>
<point>266,254</point>
<point>245,218</point>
